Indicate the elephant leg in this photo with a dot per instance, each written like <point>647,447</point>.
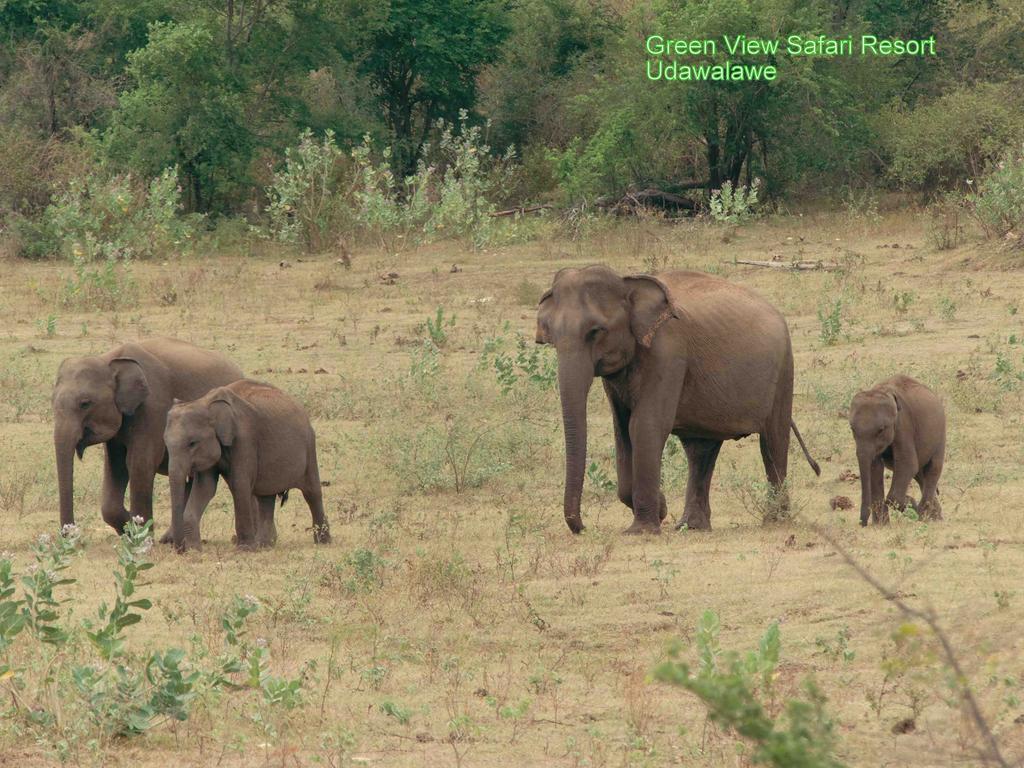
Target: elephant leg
<point>775,456</point>
<point>168,537</point>
<point>203,488</point>
<point>902,475</point>
<point>266,531</point>
<point>647,438</point>
<point>321,529</point>
<point>115,483</point>
<point>876,502</point>
<point>245,515</point>
<point>701,456</point>
<point>142,466</point>
<point>624,461</point>
<point>623,455</point>
<point>930,509</point>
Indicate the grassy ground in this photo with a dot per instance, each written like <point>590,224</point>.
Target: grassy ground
<point>453,592</point>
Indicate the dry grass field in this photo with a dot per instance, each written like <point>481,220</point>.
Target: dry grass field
<point>454,620</point>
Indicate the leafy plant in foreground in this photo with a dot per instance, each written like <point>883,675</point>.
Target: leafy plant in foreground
<point>738,691</point>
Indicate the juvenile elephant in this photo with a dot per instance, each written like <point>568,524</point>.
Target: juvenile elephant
<point>121,399</point>
<point>683,353</point>
<point>899,424</point>
<point>261,441</point>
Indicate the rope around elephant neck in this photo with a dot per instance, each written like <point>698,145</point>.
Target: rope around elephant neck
<point>662,319</point>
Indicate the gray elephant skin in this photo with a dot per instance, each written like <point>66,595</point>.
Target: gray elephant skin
<point>900,424</point>
<point>120,400</point>
<point>682,353</point>
<point>261,441</point>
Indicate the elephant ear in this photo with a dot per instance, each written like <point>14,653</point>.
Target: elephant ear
<point>130,386</point>
<point>224,422</point>
<point>651,306</point>
<point>60,368</point>
<point>543,336</point>
<point>895,395</point>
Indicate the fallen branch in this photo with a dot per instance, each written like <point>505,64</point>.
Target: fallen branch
<point>520,210</point>
<point>991,752</point>
<point>646,198</point>
<point>806,266</point>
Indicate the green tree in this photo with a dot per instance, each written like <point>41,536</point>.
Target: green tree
<point>422,58</point>
<point>184,110</point>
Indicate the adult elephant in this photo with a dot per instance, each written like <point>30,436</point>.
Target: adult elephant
<point>121,400</point>
<point>682,353</point>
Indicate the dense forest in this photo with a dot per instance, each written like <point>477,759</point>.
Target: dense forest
<point>310,118</point>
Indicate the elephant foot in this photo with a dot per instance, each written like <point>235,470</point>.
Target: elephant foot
<point>247,543</point>
<point>931,511</point>
<point>643,526</point>
<point>695,520</point>
<point>168,537</point>
<point>321,534</point>
<point>266,541</point>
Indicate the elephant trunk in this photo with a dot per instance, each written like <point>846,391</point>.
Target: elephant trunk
<point>177,473</point>
<point>575,376</point>
<point>865,461</point>
<point>65,443</point>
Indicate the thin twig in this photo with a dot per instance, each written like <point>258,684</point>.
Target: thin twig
<point>992,751</point>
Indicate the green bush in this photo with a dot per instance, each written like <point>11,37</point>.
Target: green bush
<point>953,138</point>
<point>997,201</point>
<point>80,684</point>
<point>732,206</point>
<point>739,694</point>
<point>307,204</point>
<point>469,178</point>
<point>113,217</point>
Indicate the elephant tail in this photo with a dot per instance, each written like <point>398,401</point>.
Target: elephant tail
<point>807,454</point>
<point>284,496</point>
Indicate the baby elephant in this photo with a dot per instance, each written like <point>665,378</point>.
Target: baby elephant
<point>899,424</point>
<point>261,441</point>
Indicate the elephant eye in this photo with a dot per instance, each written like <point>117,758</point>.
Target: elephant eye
<point>193,443</point>
<point>596,331</point>
<point>85,404</point>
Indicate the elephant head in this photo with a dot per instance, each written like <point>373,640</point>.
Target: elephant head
<point>91,397</point>
<point>196,436</point>
<point>597,321</point>
<point>874,414</point>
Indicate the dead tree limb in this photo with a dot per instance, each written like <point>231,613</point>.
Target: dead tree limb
<point>520,210</point>
<point>646,198</point>
<point>991,752</point>
<point>805,266</point>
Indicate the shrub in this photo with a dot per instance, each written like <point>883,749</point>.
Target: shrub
<point>307,204</point>
<point>738,692</point>
<point>831,320</point>
<point>107,286</point>
<point>103,217</point>
<point>953,138</point>
<point>732,206</point>
<point>997,201</point>
<point>944,222</point>
<point>468,180</point>
<point>81,683</point>
<point>318,195</point>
